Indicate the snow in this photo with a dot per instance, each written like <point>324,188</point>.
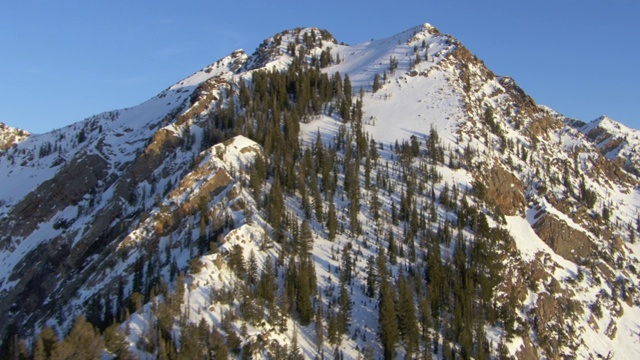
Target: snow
<point>411,113</point>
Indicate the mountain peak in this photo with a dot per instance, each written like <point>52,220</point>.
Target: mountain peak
<point>10,136</point>
<point>604,120</point>
<point>426,27</point>
<point>288,43</point>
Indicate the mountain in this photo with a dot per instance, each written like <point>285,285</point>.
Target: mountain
<point>10,136</point>
<point>387,199</point>
<point>616,141</point>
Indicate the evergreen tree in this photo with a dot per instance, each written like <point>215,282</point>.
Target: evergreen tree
<point>319,329</point>
<point>304,292</point>
<point>294,350</point>
<point>371,277</point>
<point>252,270</point>
<point>116,343</point>
<point>332,222</point>
<point>346,264</point>
<point>275,208</point>
<point>236,260</point>
<point>267,285</point>
<point>317,199</point>
<point>424,309</point>
<point>306,240</point>
<point>435,277</point>
<point>393,248</point>
<point>345,306</point>
<point>217,347</point>
<point>407,323</point>
<point>376,83</point>
<point>82,342</point>
<point>388,323</point>
<point>191,346</point>
<point>332,330</point>
<point>45,344</point>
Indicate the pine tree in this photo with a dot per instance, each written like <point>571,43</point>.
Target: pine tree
<point>332,222</point>
<point>304,197</point>
<point>82,342</point>
<point>345,306</point>
<point>217,346</point>
<point>303,293</point>
<point>393,248</point>
<point>332,329</point>
<point>267,285</point>
<point>388,323</point>
<point>346,264</point>
<point>252,270</point>
<point>319,329</point>
<point>317,199</point>
<point>318,152</point>
<point>234,341</point>
<point>306,240</point>
<point>116,343</point>
<point>236,260</point>
<point>275,208</point>
<point>424,309</point>
<point>45,344</point>
<point>294,350</point>
<point>191,346</point>
<point>407,323</point>
<point>435,279</point>
<point>371,277</point>
<point>375,204</point>
<point>376,83</point>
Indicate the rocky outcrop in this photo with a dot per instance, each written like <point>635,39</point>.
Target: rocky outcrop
<point>164,143</point>
<point>504,191</point>
<point>551,318</point>
<point>565,241</point>
<point>73,182</point>
<point>528,351</point>
<point>10,136</point>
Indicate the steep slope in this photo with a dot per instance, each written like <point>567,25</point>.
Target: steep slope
<point>280,204</point>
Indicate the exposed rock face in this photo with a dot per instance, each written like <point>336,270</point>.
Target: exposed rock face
<point>565,241</point>
<point>528,351</point>
<point>164,143</point>
<point>504,191</point>
<point>71,184</point>
<point>551,313</point>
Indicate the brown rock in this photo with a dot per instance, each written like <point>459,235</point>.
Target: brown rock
<point>565,241</point>
<point>504,191</point>
<point>527,351</point>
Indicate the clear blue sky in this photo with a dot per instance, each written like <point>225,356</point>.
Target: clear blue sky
<point>62,61</point>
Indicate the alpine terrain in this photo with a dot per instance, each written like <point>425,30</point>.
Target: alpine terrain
<point>392,199</point>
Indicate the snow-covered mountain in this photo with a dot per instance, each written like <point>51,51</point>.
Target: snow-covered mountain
<point>384,199</point>
<point>616,141</point>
